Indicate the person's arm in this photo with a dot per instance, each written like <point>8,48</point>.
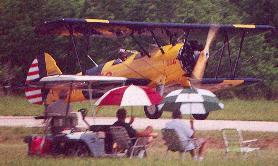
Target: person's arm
<point>142,134</point>
<point>192,127</point>
<point>191,124</point>
<point>131,120</point>
<point>148,132</point>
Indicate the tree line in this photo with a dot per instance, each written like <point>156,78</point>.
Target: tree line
<point>19,44</point>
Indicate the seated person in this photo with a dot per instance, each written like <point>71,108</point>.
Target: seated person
<point>122,57</point>
<point>186,133</point>
<point>148,132</point>
<point>196,48</point>
<point>58,110</point>
<point>60,106</point>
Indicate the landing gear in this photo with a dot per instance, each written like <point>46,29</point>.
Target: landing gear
<point>200,116</point>
<point>152,112</point>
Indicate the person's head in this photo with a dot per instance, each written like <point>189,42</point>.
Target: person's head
<point>122,54</point>
<point>121,114</point>
<point>176,114</point>
<point>63,94</point>
<point>195,45</point>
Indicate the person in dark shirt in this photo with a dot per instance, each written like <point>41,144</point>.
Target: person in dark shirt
<point>121,57</point>
<point>148,132</point>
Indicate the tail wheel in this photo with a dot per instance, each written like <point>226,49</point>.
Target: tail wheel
<point>200,116</point>
<point>152,112</point>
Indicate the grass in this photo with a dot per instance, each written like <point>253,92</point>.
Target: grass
<point>16,157</point>
<point>14,152</point>
<point>259,110</point>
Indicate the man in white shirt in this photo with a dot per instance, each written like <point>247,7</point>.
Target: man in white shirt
<point>187,135</point>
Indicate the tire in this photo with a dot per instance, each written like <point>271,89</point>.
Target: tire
<point>200,116</point>
<point>152,112</point>
<point>79,149</point>
<point>70,148</point>
<point>82,150</point>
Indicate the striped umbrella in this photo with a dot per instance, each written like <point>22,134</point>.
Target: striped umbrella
<point>191,101</point>
<point>130,96</point>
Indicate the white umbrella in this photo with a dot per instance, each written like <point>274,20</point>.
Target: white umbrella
<point>191,101</point>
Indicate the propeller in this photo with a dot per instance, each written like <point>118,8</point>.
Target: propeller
<point>200,65</point>
<point>211,36</point>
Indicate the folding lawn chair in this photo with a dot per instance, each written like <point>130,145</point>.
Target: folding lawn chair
<point>173,142</point>
<point>234,142</point>
<point>125,146</point>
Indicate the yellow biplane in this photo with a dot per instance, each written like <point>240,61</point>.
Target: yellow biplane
<point>180,62</point>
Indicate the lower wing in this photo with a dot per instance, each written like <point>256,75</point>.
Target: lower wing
<point>215,84</point>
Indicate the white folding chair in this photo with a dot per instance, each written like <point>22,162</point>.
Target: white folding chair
<point>234,142</point>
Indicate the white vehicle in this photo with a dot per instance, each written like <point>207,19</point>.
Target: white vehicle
<point>70,140</point>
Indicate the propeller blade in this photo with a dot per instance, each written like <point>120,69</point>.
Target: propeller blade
<point>211,36</point>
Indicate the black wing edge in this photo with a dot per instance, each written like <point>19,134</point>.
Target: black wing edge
<point>60,26</point>
<point>246,81</point>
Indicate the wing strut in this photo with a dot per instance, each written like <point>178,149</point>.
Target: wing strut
<point>156,41</point>
<point>141,47</point>
<point>186,34</point>
<point>70,28</point>
<point>220,60</point>
<point>171,37</point>
<point>239,52</point>
<point>226,42</point>
<point>229,52</point>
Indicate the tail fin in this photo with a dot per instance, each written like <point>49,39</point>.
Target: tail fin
<point>199,69</point>
<point>41,66</point>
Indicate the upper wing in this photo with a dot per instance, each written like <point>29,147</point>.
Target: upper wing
<point>110,28</point>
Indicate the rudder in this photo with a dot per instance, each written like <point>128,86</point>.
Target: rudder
<point>41,66</point>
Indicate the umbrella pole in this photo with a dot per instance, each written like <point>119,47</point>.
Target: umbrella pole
<point>91,103</point>
<point>131,111</point>
<point>190,109</point>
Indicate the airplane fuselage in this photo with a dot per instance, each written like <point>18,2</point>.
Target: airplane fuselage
<point>160,68</point>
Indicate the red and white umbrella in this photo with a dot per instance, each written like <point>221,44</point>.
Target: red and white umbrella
<point>130,96</point>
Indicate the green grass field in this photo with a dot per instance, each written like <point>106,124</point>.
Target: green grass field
<point>14,152</point>
<point>261,110</point>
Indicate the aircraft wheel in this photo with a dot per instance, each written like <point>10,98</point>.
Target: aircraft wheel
<point>200,116</point>
<point>77,149</point>
<point>152,112</point>
<point>82,150</point>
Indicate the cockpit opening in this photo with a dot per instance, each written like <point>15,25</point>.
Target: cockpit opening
<point>189,54</point>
